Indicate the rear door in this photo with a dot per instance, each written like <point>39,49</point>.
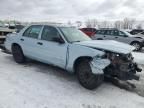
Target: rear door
<point>29,41</point>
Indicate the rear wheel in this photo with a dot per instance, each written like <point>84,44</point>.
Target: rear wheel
<point>137,46</point>
<point>85,76</point>
<point>18,54</point>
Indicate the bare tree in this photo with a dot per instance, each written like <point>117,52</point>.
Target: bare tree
<point>91,23</point>
<point>118,24</point>
<point>94,22</point>
<point>79,23</point>
<point>87,23</point>
<point>69,23</point>
<point>128,23</point>
<point>139,26</point>
<point>106,24</point>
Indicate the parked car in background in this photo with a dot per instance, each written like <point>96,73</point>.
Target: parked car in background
<point>136,31</point>
<point>141,34</point>
<point>89,31</point>
<point>3,32</point>
<point>121,36</point>
<point>72,50</point>
<point>19,27</point>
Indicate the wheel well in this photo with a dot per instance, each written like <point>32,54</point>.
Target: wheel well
<point>134,42</point>
<point>99,39</point>
<point>15,44</point>
<point>78,60</point>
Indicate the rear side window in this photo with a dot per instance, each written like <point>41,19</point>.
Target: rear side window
<point>102,32</point>
<point>93,30</point>
<point>108,32</point>
<point>98,32</point>
<point>113,32</point>
<point>33,31</point>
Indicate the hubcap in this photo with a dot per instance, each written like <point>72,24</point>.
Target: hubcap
<point>136,45</point>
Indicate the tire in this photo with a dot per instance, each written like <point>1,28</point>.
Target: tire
<point>85,76</point>
<point>137,45</point>
<point>18,54</point>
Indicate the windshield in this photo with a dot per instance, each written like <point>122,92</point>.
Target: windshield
<point>74,35</point>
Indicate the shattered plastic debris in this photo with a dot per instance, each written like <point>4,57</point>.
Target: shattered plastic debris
<point>98,64</point>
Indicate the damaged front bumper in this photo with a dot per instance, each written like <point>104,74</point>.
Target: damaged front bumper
<point>124,71</point>
<point>115,66</point>
<point>123,68</point>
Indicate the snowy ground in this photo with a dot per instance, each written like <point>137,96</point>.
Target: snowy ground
<point>37,85</point>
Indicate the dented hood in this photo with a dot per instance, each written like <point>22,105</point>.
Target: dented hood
<point>108,45</point>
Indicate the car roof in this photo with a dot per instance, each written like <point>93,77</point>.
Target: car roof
<point>108,29</point>
<point>54,25</point>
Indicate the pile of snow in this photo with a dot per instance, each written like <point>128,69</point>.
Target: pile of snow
<point>138,57</point>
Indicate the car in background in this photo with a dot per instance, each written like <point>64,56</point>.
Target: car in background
<point>136,31</point>
<point>3,33</point>
<point>89,31</point>
<point>121,36</point>
<point>70,49</point>
<point>19,27</point>
<point>141,34</point>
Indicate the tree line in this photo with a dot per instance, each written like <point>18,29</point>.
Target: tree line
<point>126,23</point>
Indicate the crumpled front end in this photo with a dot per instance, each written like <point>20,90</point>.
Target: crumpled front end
<point>122,67</point>
<point>115,65</point>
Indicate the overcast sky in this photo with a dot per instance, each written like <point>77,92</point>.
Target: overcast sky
<point>64,10</point>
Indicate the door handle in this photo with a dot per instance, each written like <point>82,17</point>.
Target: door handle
<point>22,39</point>
<point>104,36</point>
<point>39,43</point>
<point>116,37</point>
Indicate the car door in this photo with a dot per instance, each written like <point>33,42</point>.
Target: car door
<point>118,36</point>
<point>29,41</point>
<point>122,37</point>
<point>52,47</point>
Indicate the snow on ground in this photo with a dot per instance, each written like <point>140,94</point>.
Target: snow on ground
<point>139,57</point>
<point>37,85</point>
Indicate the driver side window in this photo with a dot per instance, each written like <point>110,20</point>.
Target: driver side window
<point>49,33</point>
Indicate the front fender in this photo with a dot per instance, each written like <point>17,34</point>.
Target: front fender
<point>77,51</point>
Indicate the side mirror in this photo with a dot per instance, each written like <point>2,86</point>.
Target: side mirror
<point>58,40</point>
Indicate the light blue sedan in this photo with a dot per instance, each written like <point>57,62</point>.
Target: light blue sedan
<point>72,50</point>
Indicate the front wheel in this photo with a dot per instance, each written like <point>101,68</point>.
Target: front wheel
<point>85,76</point>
